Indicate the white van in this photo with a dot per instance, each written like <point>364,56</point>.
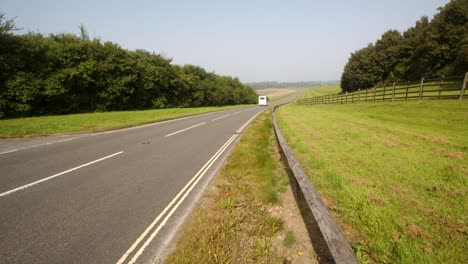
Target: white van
<point>263,100</point>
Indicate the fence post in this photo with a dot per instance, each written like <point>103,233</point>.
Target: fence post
<point>407,87</point>
<point>374,94</point>
<point>464,86</point>
<point>440,87</point>
<point>384,91</point>
<point>393,91</point>
<point>421,88</point>
<point>366,93</point>
<point>346,97</point>
<point>359,96</point>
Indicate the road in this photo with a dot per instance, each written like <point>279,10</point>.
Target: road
<point>110,197</point>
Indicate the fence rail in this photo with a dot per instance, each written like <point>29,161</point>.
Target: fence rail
<point>454,87</point>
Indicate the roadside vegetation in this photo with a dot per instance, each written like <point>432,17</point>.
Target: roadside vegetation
<point>244,217</point>
<point>394,175</point>
<point>67,73</point>
<point>47,125</point>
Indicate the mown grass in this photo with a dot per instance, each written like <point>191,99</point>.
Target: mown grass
<point>46,125</point>
<point>233,225</point>
<point>320,90</point>
<point>393,174</point>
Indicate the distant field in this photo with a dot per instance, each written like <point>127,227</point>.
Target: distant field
<point>46,125</point>
<point>393,174</point>
<point>276,94</point>
<point>321,90</point>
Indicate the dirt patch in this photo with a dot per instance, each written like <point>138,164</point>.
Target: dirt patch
<point>330,204</point>
<point>413,230</point>
<point>301,250</point>
<point>391,144</point>
<point>361,182</point>
<point>398,190</point>
<point>458,155</point>
<point>437,139</point>
<point>376,200</point>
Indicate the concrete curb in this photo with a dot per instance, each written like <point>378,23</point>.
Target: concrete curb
<point>335,243</point>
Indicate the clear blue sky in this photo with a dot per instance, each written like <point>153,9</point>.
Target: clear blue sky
<point>253,40</point>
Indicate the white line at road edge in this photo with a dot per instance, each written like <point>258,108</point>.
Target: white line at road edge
<point>190,185</point>
<point>56,175</point>
<point>182,130</point>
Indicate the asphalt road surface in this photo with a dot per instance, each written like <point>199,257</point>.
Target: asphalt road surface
<point>109,197</point>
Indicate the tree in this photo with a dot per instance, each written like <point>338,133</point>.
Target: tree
<point>429,49</point>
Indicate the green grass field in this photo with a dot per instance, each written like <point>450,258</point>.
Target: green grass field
<point>319,91</point>
<point>46,125</point>
<point>394,175</point>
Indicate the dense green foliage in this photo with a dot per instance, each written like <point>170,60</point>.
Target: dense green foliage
<point>65,73</point>
<point>430,49</point>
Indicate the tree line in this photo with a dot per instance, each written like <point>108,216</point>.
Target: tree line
<point>432,48</point>
<point>67,73</point>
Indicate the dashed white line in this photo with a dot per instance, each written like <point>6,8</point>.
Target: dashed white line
<point>219,117</point>
<point>56,175</point>
<point>185,129</point>
<point>38,145</point>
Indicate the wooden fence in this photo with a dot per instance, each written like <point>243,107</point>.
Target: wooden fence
<point>441,88</point>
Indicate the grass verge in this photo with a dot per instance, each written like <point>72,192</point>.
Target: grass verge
<point>46,125</point>
<point>320,90</point>
<point>394,175</point>
<point>238,220</point>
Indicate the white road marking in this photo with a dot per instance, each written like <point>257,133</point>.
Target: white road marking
<point>38,145</point>
<point>190,185</point>
<point>56,175</point>
<point>185,129</point>
<point>10,151</point>
<point>219,117</point>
